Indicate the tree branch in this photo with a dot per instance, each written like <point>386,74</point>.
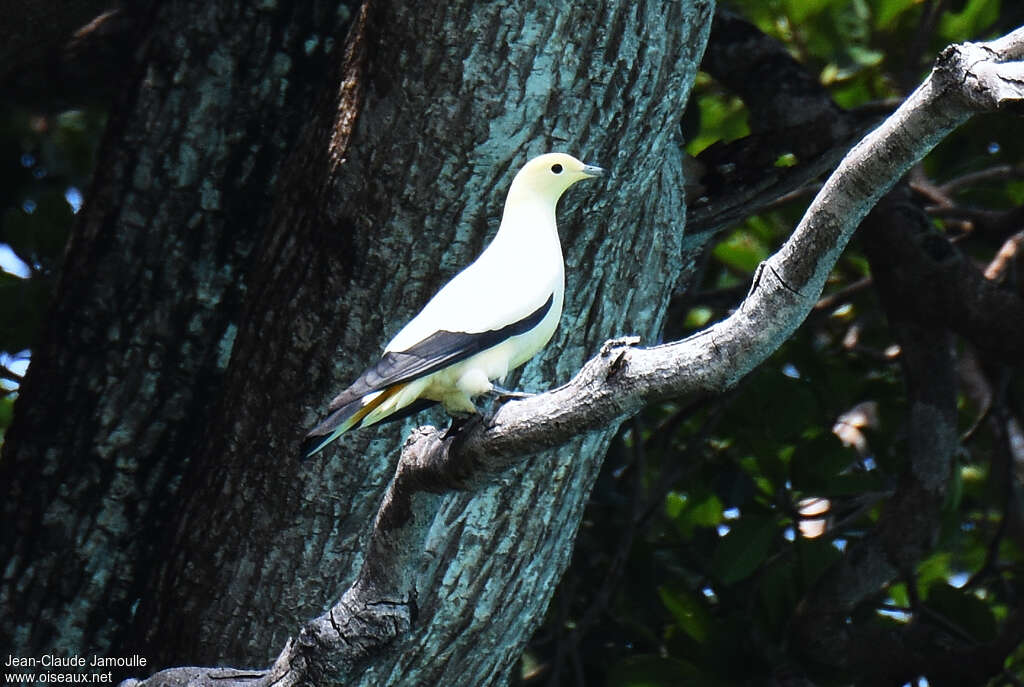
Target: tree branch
<point>622,378</point>
<point>741,177</point>
<point>942,286</point>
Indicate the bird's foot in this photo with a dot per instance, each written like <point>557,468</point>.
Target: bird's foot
<point>460,423</point>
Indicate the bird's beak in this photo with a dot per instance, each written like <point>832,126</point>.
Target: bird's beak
<point>592,171</point>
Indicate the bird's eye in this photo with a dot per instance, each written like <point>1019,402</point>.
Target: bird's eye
<point>557,169</point>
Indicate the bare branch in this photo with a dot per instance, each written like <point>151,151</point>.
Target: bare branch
<point>953,292</point>
<point>996,173</point>
<point>1009,251</point>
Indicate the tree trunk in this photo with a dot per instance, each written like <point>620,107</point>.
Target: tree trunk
<point>133,355</point>
<point>396,183</point>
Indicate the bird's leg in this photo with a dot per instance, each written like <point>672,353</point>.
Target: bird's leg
<point>499,397</point>
<point>460,422</point>
<point>502,395</point>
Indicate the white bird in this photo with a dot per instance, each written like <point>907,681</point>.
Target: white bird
<point>490,318</point>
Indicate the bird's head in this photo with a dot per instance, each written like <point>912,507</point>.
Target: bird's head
<point>549,175</point>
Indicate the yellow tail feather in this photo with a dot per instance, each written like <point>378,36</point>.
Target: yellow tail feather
<point>372,405</point>
<point>354,420</point>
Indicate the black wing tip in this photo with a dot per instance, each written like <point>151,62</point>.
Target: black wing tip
<point>308,447</point>
<point>311,443</point>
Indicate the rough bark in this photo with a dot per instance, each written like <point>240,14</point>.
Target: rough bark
<point>142,324</point>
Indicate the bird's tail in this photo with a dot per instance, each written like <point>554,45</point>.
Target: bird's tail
<point>345,418</point>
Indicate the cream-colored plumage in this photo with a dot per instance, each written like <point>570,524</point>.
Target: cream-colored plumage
<point>489,319</point>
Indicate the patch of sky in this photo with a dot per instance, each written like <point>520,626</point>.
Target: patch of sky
<point>11,263</point>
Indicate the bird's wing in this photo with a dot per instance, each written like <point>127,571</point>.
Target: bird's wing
<point>505,285</point>
<point>435,352</point>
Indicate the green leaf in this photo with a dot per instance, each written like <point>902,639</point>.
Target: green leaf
<point>786,160</point>
<point>899,595</point>
<point>865,57</point>
<point>815,556</point>
<point>722,118</point>
<point>799,11</point>
<point>778,593</point>
<point>964,610</point>
<point>888,11</point>
<point>674,504</point>
<point>39,237</point>
<point>6,411</point>
<point>817,463</point>
<point>654,671</point>
<point>853,483</point>
<point>773,408</point>
<point>697,318</point>
<point>689,612</point>
<point>702,508</point>
<point>742,550</point>
<point>22,304</point>
<point>741,251</point>
<point>1015,192</point>
<point>933,570</point>
<point>970,22</point>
